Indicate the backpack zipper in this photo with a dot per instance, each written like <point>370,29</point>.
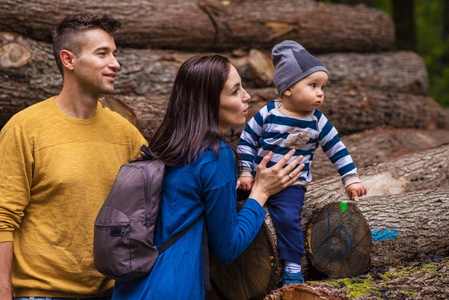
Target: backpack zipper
<point>147,201</point>
<point>115,229</point>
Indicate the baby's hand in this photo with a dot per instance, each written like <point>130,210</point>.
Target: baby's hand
<point>356,190</point>
<point>246,183</point>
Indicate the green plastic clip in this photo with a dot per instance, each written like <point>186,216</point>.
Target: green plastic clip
<point>344,205</point>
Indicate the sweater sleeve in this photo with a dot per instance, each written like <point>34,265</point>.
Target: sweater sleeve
<point>336,151</point>
<point>249,143</point>
<point>16,168</point>
<point>229,233</point>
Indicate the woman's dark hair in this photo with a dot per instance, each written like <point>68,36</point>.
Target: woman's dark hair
<point>190,124</point>
<point>69,33</point>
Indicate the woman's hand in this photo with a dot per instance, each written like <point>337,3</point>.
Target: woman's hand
<point>269,181</point>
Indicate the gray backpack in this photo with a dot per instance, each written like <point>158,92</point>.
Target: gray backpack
<point>126,224</point>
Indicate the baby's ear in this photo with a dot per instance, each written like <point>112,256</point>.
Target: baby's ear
<point>287,92</point>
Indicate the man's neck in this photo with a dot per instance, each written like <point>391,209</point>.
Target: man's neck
<point>77,105</point>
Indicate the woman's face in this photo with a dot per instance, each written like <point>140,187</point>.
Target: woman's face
<point>233,107</point>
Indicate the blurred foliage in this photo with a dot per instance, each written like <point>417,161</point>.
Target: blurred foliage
<point>431,44</point>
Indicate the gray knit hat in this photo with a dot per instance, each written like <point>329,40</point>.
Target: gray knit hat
<point>292,63</point>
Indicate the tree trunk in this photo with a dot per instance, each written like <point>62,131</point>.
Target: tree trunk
<point>402,71</point>
<point>403,227</point>
<point>407,226</point>
<point>152,72</point>
<point>380,145</point>
<point>370,3</point>
<point>351,112</point>
<point>146,113</point>
<point>207,25</point>
<point>355,109</point>
<point>29,74</point>
<point>254,273</point>
<point>419,181</point>
<point>413,172</point>
<point>404,19</point>
<point>445,37</point>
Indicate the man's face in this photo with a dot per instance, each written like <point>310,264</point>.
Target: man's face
<point>97,66</point>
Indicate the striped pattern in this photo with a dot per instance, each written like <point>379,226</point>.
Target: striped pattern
<point>269,129</point>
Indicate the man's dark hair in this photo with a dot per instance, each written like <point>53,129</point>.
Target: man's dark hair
<point>69,33</point>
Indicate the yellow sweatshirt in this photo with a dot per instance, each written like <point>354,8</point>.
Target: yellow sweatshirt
<point>55,173</point>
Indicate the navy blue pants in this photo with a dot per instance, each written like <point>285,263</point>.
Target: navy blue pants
<point>285,209</point>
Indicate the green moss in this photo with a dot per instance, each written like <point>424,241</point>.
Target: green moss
<point>353,289</point>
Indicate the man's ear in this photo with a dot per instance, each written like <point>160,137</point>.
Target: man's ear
<point>67,59</point>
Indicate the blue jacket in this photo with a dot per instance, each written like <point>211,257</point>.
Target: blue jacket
<point>209,186</point>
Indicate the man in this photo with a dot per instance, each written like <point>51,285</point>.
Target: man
<point>58,160</point>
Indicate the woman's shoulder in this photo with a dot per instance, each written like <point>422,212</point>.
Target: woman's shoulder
<point>210,155</point>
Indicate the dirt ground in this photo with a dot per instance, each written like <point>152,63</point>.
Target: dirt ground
<point>426,280</point>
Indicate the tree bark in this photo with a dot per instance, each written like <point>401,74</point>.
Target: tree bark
<point>419,181</point>
<point>403,227</point>
<point>28,73</point>
<point>150,72</point>
<point>207,25</point>
<point>353,111</point>
<point>380,145</point>
<point>307,292</point>
<point>146,113</point>
<point>254,273</point>
<point>370,3</point>
<point>409,173</point>
<point>408,226</point>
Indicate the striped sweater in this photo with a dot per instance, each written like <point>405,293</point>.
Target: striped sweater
<point>270,130</point>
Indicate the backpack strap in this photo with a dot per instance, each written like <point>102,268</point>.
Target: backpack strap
<point>205,245</point>
<point>176,237</point>
<point>206,260</point>
<point>145,150</point>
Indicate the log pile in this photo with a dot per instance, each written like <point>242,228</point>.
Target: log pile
<point>376,99</point>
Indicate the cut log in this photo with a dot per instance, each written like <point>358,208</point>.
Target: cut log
<point>402,71</point>
<point>375,146</point>
<point>408,226</point>
<point>353,109</point>
<point>144,113</point>
<point>254,273</point>
<point>410,173</point>
<point>152,72</point>
<point>410,206</point>
<point>413,172</point>
<point>374,111</point>
<point>206,25</point>
<point>338,240</point>
<point>315,291</point>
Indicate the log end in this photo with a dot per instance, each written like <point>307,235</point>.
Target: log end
<point>13,54</point>
<point>338,241</point>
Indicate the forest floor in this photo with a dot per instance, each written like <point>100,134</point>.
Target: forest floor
<point>425,279</point>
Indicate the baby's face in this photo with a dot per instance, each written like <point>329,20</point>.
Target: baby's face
<point>305,95</point>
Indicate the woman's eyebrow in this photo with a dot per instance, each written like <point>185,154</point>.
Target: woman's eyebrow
<point>235,85</point>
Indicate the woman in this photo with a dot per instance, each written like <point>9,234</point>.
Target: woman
<point>201,178</point>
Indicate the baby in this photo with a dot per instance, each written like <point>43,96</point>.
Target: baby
<point>294,122</point>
